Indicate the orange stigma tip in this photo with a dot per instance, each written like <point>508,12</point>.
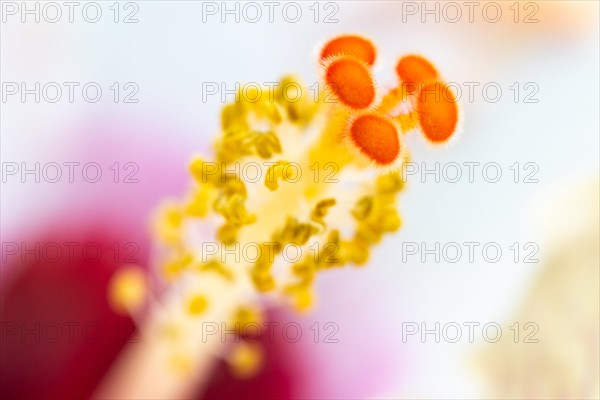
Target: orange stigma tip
<point>351,82</point>
<point>376,137</point>
<point>351,45</point>
<point>438,112</point>
<point>414,71</point>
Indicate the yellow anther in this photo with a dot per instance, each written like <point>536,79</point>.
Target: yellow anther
<point>294,97</point>
<point>197,305</point>
<point>408,121</point>
<point>245,316</point>
<point>267,254</point>
<point>301,295</point>
<point>304,299</point>
<point>328,256</point>
<point>294,232</point>
<point>174,217</point>
<point>279,170</point>
<point>391,221</point>
<point>198,205</point>
<point>267,144</point>
<point>363,208</point>
<point>263,280</point>
<point>320,211</point>
<point>202,171</point>
<point>218,268</point>
<point>168,223</point>
<point>127,289</point>
<point>390,183</point>
<point>181,363</point>
<point>233,118</point>
<point>246,360</point>
<point>227,233</point>
<point>234,210</point>
<point>369,233</point>
<point>170,331</point>
<point>355,252</point>
<point>235,145</point>
<point>304,269</point>
<point>233,185</point>
<point>176,265</point>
